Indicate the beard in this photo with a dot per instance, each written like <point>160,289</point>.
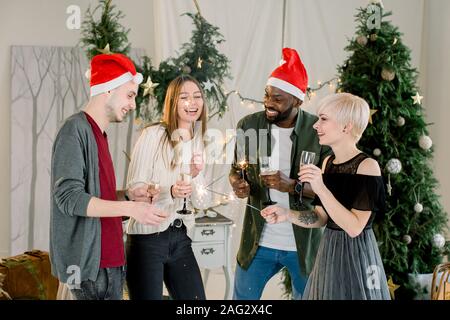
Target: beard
<point>281,116</point>
<point>112,108</point>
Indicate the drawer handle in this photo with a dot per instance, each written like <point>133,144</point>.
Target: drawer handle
<point>208,232</point>
<point>207,251</point>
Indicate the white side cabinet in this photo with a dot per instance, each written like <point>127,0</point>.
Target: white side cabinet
<point>211,248</point>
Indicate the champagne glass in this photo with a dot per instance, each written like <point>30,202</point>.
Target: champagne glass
<point>243,164</point>
<point>265,169</point>
<point>307,157</point>
<point>185,177</point>
<point>153,188</point>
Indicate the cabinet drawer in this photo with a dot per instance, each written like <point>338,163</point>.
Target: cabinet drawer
<point>209,233</point>
<point>209,255</point>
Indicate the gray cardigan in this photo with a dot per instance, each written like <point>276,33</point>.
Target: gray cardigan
<point>75,239</point>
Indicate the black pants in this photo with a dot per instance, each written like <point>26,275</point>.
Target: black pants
<point>166,256</point>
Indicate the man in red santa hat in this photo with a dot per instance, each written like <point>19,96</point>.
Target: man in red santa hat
<point>86,237</point>
<point>284,131</point>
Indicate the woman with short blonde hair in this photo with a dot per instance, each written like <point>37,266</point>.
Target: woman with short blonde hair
<point>348,108</point>
<point>349,194</point>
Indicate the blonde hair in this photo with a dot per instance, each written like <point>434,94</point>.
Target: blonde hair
<point>170,114</point>
<point>347,108</point>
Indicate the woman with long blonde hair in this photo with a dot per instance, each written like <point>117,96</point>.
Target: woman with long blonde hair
<point>168,155</point>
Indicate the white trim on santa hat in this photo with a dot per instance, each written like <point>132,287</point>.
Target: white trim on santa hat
<point>114,83</point>
<point>287,87</point>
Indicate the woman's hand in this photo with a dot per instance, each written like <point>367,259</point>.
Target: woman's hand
<point>275,214</point>
<point>313,175</point>
<point>181,189</point>
<point>196,164</point>
<point>139,192</point>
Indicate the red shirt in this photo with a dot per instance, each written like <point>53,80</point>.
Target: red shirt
<point>112,251</point>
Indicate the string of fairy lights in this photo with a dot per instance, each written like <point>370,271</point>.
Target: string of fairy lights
<point>310,93</point>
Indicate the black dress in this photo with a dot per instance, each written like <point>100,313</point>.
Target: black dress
<point>349,268</point>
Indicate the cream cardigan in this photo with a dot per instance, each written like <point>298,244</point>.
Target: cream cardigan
<point>151,161</point>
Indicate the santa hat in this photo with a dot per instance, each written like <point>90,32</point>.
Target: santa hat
<point>109,71</point>
<point>291,76</point>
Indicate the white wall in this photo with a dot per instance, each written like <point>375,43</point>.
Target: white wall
<point>435,78</point>
<point>43,22</point>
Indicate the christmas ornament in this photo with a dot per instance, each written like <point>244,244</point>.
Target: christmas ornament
<point>407,239</point>
<point>389,186</point>
<point>377,152</point>
<point>372,112</point>
<point>425,142</point>
<point>395,41</point>
<point>418,207</point>
<point>186,69</point>
<point>362,40</point>
<point>208,85</point>
<point>388,74</point>
<point>392,287</point>
<point>394,166</point>
<point>149,86</point>
<point>438,240</point>
<point>199,63</point>
<point>400,121</point>
<point>417,98</point>
<point>373,37</point>
<point>105,50</point>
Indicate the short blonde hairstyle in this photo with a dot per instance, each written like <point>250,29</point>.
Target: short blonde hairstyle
<point>347,108</point>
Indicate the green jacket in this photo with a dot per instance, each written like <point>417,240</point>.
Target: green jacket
<point>303,137</point>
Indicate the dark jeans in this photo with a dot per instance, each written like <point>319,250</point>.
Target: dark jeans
<point>166,256</point>
<point>107,286</point>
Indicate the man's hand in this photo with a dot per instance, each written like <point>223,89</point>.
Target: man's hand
<point>146,213</point>
<point>278,181</point>
<point>241,188</point>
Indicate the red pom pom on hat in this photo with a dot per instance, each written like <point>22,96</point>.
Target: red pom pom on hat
<point>109,71</point>
<point>291,76</point>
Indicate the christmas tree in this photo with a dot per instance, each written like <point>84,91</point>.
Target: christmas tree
<point>410,234</point>
<point>106,35</point>
<point>201,59</point>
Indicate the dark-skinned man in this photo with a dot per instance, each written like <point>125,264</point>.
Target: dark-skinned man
<point>281,132</point>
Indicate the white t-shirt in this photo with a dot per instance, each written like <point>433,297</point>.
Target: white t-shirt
<point>280,235</point>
